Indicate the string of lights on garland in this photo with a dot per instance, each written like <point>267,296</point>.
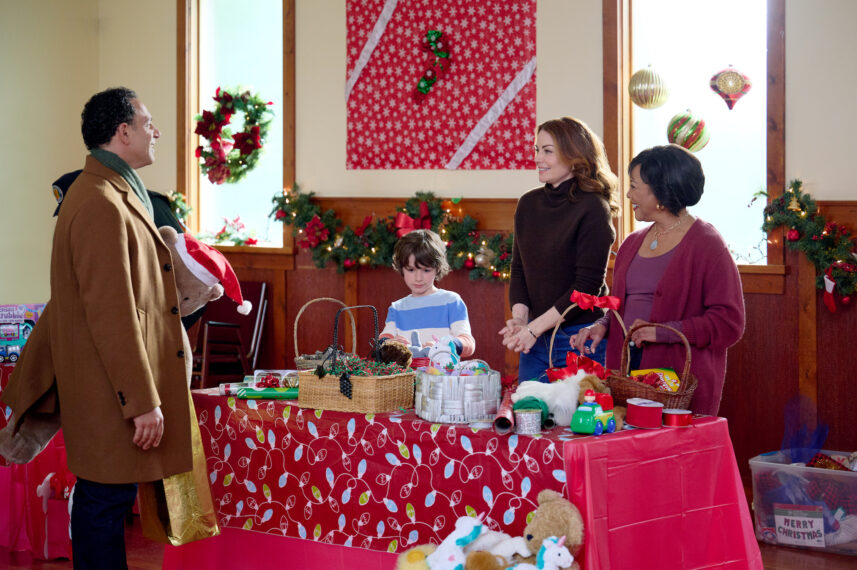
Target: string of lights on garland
<point>227,157</point>
<point>828,245</point>
<point>371,244</point>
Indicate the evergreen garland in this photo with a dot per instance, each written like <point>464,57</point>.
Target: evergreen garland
<point>828,245</point>
<point>371,245</point>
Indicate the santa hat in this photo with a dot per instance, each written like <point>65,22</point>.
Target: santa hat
<point>210,267</point>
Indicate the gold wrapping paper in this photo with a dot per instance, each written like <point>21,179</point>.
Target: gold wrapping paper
<point>179,509</point>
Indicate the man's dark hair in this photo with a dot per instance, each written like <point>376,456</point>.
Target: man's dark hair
<point>103,114</point>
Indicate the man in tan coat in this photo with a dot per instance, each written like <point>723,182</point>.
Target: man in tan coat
<point>115,333</point>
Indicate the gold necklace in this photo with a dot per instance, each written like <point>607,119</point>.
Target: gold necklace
<point>658,233</point>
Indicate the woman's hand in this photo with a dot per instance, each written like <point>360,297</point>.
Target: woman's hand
<point>595,333</point>
<point>520,341</point>
<point>643,334</point>
<point>512,327</point>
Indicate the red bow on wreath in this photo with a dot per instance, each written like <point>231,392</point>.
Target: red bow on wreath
<point>406,224</point>
<point>586,301</point>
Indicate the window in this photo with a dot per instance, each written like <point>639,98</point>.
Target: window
<point>618,112</point>
<point>686,43</point>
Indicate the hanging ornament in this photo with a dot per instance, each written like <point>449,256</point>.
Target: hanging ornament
<point>468,263</point>
<point>730,84</point>
<point>794,205</point>
<point>686,130</point>
<point>793,235</point>
<point>363,260</point>
<point>648,89</point>
<point>484,257</point>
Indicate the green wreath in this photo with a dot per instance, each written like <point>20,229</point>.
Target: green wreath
<point>225,157</point>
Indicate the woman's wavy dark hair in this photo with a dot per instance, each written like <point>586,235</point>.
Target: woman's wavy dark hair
<point>103,114</point>
<point>674,175</point>
<point>583,152</point>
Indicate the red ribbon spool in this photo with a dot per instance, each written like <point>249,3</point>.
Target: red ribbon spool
<point>644,413</point>
<point>677,418</point>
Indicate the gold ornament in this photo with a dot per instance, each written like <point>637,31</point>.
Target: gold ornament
<point>480,260</point>
<point>363,260</point>
<point>794,205</point>
<point>647,89</point>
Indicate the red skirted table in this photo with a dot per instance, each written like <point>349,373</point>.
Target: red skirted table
<point>312,483</point>
<point>33,511</point>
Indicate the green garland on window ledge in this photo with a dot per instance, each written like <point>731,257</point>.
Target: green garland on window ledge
<point>371,245</point>
<point>828,245</point>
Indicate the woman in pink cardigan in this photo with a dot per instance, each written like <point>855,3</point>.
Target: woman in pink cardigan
<point>676,271</point>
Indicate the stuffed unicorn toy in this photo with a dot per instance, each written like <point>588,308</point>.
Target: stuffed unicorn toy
<point>553,555</point>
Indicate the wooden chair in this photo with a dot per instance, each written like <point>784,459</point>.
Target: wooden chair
<point>228,342</point>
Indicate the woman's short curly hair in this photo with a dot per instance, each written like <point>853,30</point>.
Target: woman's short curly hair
<point>426,247</point>
<point>673,173</point>
<point>103,114</point>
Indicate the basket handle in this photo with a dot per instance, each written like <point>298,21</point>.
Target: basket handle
<point>310,302</point>
<point>626,353</point>
<point>559,322</point>
<point>336,326</point>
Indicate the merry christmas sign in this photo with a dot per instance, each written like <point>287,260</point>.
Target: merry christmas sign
<point>440,84</point>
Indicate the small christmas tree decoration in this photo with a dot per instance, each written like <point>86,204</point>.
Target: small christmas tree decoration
<point>688,131</point>
<point>730,84</point>
<point>648,89</point>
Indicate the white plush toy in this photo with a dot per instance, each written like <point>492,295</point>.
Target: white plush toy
<point>499,543</point>
<point>560,396</point>
<point>444,354</point>
<point>553,555</point>
<point>449,554</point>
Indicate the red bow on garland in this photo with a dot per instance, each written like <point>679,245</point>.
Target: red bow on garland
<point>406,224</point>
<point>586,301</point>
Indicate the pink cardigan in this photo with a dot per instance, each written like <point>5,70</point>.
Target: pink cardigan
<point>700,288</point>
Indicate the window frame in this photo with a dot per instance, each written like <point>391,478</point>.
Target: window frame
<point>187,98</point>
<point>617,65</point>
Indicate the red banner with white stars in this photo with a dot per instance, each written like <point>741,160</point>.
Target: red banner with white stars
<point>436,84</point>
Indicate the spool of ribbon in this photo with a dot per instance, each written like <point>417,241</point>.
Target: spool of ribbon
<point>528,422</point>
<point>677,418</point>
<point>406,224</point>
<point>586,301</point>
<point>644,413</point>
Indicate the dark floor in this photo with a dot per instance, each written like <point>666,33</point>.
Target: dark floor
<point>144,554</point>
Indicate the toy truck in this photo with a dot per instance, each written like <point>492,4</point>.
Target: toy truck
<point>595,415</point>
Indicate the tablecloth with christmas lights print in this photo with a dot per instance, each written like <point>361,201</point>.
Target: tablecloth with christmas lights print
<point>377,481</point>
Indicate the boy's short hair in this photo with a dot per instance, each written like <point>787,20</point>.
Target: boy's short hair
<point>426,247</point>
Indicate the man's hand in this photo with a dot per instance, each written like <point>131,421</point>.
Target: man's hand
<point>148,429</point>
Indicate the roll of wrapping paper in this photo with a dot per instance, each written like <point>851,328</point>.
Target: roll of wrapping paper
<point>504,422</point>
<point>677,418</point>
<point>268,393</point>
<point>644,413</point>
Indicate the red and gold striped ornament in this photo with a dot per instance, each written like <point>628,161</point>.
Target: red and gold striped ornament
<point>686,130</point>
<point>730,84</point>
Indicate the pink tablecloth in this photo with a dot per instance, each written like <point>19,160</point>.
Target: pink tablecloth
<point>666,498</point>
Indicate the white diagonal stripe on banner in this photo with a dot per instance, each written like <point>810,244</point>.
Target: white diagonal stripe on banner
<point>491,116</point>
<point>370,45</point>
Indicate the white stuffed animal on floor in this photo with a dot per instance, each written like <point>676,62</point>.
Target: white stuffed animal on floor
<point>553,555</point>
<point>449,554</point>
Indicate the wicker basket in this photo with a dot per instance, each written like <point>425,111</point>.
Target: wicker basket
<point>623,387</point>
<point>311,361</point>
<point>369,394</point>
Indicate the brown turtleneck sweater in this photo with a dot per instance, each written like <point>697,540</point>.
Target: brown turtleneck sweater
<point>560,245</point>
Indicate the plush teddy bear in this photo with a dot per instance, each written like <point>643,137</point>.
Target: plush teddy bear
<point>555,516</point>
<point>395,351</point>
<point>37,430</point>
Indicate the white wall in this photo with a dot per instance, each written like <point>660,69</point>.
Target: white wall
<point>821,85</point>
<point>56,53</point>
<point>568,79</point>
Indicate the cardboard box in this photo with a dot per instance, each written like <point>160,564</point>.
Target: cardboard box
<point>804,507</point>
